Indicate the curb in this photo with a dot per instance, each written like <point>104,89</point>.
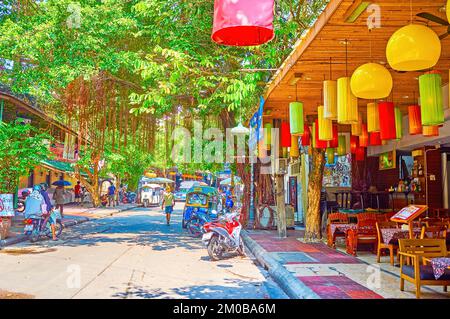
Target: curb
<point>21,238</point>
<point>293,287</point>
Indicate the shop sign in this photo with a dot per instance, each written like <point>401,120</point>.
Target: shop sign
<point>6,205</point>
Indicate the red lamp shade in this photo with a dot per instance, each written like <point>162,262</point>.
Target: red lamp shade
<point>285,137</point>
<point>306,136</point>
<point>354,144</point>
<point>360,154</point>
<point>364,137</point>
<point>415,120</point>
<point>388,130</point>
<point>319,143</point>
<point>334,143</point>
<point>374,139</point>
<point>243,22</point>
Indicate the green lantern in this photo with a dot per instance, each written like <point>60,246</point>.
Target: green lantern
<point>330,155</point>
<point>342,146</point>
<point>398,123</point>
<point>268,134</point>
<point>296,118</point>
<point>432,106</point>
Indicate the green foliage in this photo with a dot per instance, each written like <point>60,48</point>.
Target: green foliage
<point>22,148</point>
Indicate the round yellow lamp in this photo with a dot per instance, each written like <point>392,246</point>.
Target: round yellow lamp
<point>412,48</point>
<point>371,81</point>
<point>347,102</point>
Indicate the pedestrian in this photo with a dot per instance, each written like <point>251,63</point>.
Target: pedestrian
<point>168,202</point>
<point>58,197</point>
<point>46,197</point>
<point>111,195</point>
<point>77,190</point>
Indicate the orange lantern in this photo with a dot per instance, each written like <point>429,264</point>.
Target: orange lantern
<point>430,131</point>
<point>354,144</point>
<point>415,120</point>
<point>364,137</point>
<point>318,143</point>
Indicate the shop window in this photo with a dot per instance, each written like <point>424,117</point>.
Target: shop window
<point>339,173</point>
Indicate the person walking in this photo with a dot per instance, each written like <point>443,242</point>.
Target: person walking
<point>168,202</point>
<point>111,195</point>
<point>77,190</point>
<point>58,196</point>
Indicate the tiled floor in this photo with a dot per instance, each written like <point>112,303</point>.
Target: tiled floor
<point>332,274</point>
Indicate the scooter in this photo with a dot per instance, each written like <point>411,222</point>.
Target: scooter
<point>37,226</point>
<point>198,219</point>
<point>223,236</point>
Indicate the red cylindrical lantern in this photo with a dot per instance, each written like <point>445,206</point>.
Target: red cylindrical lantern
<point>386,113</point>
<point>364,137</point>
<point>334,143</point>
<point>319,143</point>
<point>243,22</point>
<point>374,139</point>
<point>354,144</point>
<point>306,136</point>
<point>415,120</point>
<point>285,135</point>
<point>360,153</point>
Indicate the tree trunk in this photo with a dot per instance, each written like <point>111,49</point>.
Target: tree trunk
<point>313,220</point>
<point>281,206</point>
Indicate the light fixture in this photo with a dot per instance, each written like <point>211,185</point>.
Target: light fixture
<point>306,137</point>
<point>371,81</point>
<point>414,119</point>
<point>431,101</point>
<point>386,113</point>
<point>325,126</point>
<point>240,130</point>
<point>357,127</point>
<point>373,120</point>
<point>294,149</point>
<point>347,103</point>
<point>342,147</point>
<point>285,135</point>
<point>412,48</point>
<point>296,116</point>
<point>398,123</point>
<point>317,143</point>
<point>374,139</point>
<point>268,135</point>
<point>330,97</point>
<point>429,131</point>
<point>330,156</point>
<point>447,10</point>
<point>364,137</point>
<point>334,143</point>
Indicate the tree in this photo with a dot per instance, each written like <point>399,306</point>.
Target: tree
<point>22,148</point>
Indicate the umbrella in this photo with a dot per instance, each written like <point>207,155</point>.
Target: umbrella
<point>62,182</point>
<point>236,179</point>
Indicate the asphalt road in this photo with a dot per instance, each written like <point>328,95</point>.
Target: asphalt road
<point>133,254</point>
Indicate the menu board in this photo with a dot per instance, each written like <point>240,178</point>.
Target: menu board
<point>409,213</point>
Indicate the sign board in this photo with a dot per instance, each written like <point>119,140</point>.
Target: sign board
<point>256,128</point>
<point>387,160</point>
<point>6,205</point>
<point>407,214</point>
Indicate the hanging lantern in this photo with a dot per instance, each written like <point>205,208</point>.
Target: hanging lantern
<point>354,144</point>
<point>268,135</point>
<point>387,121</point>
<point>412,48</point>
<point>296,118</point>
<point>243,23</point>
<point>285,136</point>
<point>447,10</point>
<point>306,137</point>
<point>431,102</point>
<point>334,143</point>
<point>360,154</point>
<point>374,139</point>
<point>398,123</point>
<point>342,147</point>
<point>317,142</point>
<point>364,137</point>
<point>371,81</point>
<point>373,120</point>
<point>294,150</point>
<point>330,156</point>
<point>415,120</point>
<point>330,100</point>
<point>325,126</point>
<point>357,128</point>
<point>284,152</point>
<point>430,131</point>
<point>347,103</point>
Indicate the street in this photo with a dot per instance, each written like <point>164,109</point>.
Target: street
<point>133,254</point>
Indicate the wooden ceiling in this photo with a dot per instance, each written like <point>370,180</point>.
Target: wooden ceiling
<point>326,40</point>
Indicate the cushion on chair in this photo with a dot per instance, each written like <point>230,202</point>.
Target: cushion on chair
<point>426,273</point>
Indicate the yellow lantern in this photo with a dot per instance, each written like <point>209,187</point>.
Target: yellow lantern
<point>373,119</point>
<point>347,103</point>
<point>447,10</point>
<point>294,150</point>
<point>371,81</point>
<point>325,126</point>
<point>412,48</point>
<point>330,100</point>
<point>357,128</point>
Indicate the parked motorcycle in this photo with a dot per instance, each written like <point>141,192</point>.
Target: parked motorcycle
<point>223,237</point>
<point>198,219</point>
<point>21,201</point>
<point>39,226</point>
<point>129,197</point>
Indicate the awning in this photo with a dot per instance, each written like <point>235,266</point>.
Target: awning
<point>59,166</point>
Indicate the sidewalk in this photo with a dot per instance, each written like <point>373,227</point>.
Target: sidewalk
<point>73,215</point>
<point>315,271</point>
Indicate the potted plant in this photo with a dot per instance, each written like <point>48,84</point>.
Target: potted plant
<point>22,147</point>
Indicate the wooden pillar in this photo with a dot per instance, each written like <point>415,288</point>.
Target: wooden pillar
<point>281,207</point>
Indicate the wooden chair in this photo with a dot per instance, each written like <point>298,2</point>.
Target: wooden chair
<point>364,233</point>
<point>335,218</point>
<point>382,218</point>
<point>367,216</point>
<point>382,245</point>
<point>419,273</point>
<point>434,232</point>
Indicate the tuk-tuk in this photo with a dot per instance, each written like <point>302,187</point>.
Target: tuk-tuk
<point>150,195</point>
<point>202,198</point>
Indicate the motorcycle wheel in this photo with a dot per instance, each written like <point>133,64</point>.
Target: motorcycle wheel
<point>58,229</point>
<point>194,227</point>
<point>214,250</point>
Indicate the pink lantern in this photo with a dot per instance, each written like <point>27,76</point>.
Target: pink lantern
<point>243,22</point>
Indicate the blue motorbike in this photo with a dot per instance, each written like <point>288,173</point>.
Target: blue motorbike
<point>198,218</point>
